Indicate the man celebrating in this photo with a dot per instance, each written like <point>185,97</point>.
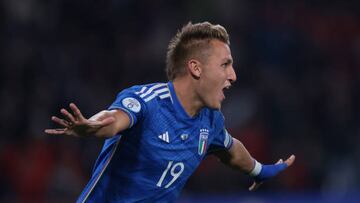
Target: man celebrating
<point>157,134</point>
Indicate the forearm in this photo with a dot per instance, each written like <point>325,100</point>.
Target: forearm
<point>238,157</point>
<point>121,123</point>
<point>105,132</point>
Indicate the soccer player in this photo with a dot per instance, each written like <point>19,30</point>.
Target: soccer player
<point>157,134</point>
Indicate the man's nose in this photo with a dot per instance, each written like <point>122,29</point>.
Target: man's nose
<point>232,75</point>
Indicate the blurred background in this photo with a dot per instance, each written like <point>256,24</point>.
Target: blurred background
<point>297,91</point>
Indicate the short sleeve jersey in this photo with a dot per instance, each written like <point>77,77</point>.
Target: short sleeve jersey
<point>152,160</point>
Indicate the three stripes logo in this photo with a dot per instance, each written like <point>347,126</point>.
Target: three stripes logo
<point>148,93</point>
<point>165,137</point>
<point>203,137</point>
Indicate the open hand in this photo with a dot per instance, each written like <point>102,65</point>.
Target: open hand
<point>288,163</point>
<point>76,124</point>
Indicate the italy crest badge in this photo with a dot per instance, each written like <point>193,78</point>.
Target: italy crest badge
<point>203,137</point>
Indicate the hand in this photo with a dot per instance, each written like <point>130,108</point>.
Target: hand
<point>76,124</point>
<point>287,163</point>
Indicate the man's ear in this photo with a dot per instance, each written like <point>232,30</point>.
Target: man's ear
<point>194,67</point>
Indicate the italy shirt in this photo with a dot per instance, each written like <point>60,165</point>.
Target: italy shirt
<point>152,160</point>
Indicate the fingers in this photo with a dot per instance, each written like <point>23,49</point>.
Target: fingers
<point>55,131</point>
<point>60,121</point>
<point>255,186</point>
<point>290,160</point>
<point>70,121</point>
<point>59,131</point>
<point>76,111</point>
<point>68,115</point>
<point>69,118</point>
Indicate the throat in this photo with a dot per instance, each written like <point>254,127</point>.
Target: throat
<point>187,98</point>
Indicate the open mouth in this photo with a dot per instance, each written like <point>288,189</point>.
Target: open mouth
<point>226,88</point>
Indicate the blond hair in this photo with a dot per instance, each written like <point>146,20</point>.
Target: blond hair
<point>193,40</point>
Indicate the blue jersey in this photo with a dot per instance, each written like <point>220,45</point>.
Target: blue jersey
<point>152,160</point>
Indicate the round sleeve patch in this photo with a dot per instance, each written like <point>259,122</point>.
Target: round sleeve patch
<point>132,104</point>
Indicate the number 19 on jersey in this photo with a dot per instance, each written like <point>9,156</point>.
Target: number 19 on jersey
<point>175,171</point>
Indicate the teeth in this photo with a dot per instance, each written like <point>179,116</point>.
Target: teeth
<point>226,87</point>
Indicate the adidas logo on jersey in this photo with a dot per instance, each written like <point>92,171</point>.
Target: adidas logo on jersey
<point>164,137</point>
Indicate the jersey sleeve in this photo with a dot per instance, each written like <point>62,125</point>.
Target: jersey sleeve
<point>223,140</point>
<point>129,102</point>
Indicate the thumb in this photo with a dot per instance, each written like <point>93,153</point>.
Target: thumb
<point>255,186</point>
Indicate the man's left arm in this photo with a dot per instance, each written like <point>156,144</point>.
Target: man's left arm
<point>239,158</point>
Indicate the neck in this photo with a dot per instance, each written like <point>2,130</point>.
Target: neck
<point>187,96</point>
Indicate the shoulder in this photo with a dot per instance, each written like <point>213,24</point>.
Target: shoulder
<point>147,94</point>
<point>142,91</point>
<point>137,101</point>
<point>155,90</point>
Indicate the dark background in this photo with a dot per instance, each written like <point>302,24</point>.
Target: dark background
<point>297,91</point>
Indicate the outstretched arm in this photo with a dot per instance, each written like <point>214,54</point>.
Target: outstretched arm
<point>239,158</point>
<point>103,124</point>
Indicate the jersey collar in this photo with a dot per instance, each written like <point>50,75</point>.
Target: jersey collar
<point>177,105</point>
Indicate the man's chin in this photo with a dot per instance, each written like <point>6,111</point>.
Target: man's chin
<point>215,106</point>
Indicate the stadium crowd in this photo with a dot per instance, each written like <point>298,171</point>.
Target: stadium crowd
<point>297,90</point>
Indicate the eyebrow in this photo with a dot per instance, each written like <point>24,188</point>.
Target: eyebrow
<point>228,60</point>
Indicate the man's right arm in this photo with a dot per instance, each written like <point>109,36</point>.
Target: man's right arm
<point>104,124</point>
<point>121,122</point>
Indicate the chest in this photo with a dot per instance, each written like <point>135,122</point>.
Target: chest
<point>173,139</point>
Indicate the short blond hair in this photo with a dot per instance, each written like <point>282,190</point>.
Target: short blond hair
<point>192,40</point>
